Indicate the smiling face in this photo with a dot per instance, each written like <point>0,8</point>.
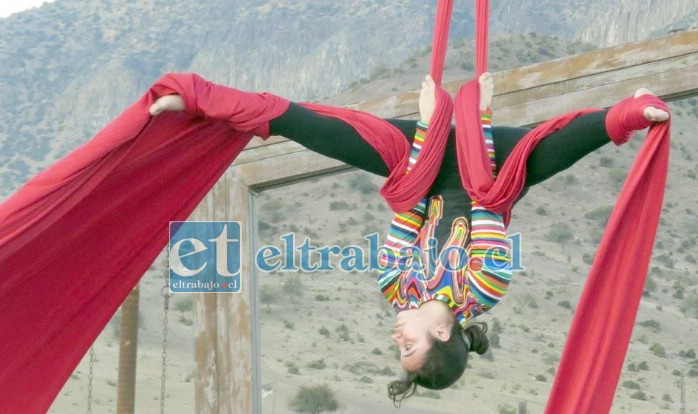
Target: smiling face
<point>416,329</point>
<point>413,338</point>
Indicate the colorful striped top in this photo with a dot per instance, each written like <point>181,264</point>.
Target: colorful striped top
<point>469,278</point>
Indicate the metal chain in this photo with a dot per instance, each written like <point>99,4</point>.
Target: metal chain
<point>89,379</point>
<point>166,294</point>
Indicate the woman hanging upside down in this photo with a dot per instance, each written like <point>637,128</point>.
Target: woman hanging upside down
<point>445,260</point>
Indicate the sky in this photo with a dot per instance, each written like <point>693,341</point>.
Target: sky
<point>7,7</point>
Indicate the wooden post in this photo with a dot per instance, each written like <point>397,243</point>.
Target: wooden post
<point>226,380</point>
<point>128,353</point>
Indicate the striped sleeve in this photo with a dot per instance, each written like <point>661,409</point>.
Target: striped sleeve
<point>489,252</point>
<point>405,226</point>
<point>486,118</point>
<point>403,232</point>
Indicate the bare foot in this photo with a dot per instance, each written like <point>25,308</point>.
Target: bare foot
<point>427,99</point>
<point>167,103</point>
<point>651,113</point>
<point>486,90</point>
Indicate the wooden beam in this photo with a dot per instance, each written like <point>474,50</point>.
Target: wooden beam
<point>286,168</point>
<point>532,94</point>
<point>525,96</point>
<point>667,65</point>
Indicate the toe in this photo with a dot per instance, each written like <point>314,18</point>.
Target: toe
<point>642,91</point>
<point>655,114</point>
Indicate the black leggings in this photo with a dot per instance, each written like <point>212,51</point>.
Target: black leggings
<point>336,139</point>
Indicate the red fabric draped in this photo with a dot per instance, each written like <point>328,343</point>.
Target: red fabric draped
<point>596,345</point>
<point>440,42</point>
<point>482,25</point>
<point>473,161</point>
<point>586,379</point>
<point>77,237</point>
<point>399,192</point>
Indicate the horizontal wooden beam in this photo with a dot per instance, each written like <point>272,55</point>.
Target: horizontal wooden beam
<point>591,73</point>
<point>610,60</point>
<point>286,168</point>
<point>528,95</point>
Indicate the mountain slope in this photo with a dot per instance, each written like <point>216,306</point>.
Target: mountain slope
<point>72,65</point>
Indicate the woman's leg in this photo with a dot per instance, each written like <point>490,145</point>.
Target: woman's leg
<point>334,138</point>
<point>557,152</point>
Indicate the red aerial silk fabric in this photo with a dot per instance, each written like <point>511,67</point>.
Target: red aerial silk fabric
<point>596,345</point>
<point>593,357</point>
<point>482,25</point>
<point>77,237</point>
<point>473,161</point>
<point>440,42</point>
<point>401,193</point>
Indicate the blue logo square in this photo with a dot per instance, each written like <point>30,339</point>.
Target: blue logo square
<point>204,256</point>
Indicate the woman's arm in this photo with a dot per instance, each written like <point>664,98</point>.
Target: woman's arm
<point>489,254</point>
<point>489,258</point>
<point>406,226</point>
<point>404,230</point>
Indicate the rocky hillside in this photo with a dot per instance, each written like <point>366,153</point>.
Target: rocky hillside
<point>72,65</point>
<point>601,22</point>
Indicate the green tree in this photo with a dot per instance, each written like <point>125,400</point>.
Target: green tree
<point>600,215</point>
<point>560,233</point>
<point>639,395</point>
<point>268,296</point>
<point>690,353</point>
<point>506,409</point>
<point>689,305</point>
<point>658,350</point>
<point>314,400</point>
<point>293,288</point>
<point>617,177</point>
